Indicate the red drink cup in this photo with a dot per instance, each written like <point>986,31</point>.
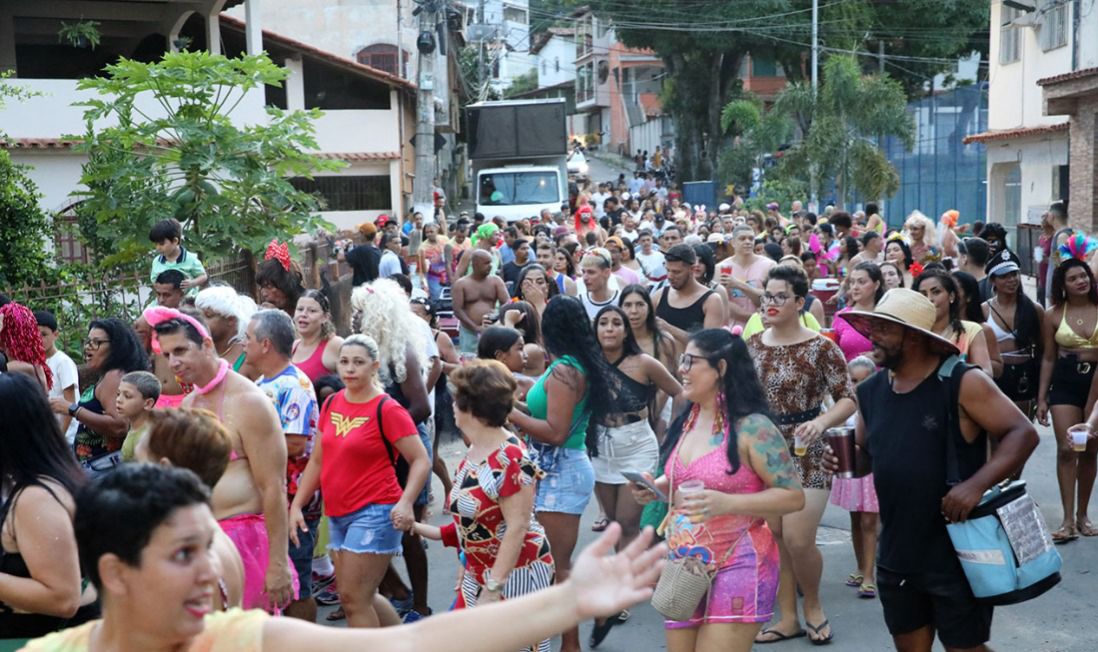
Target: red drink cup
<point>841,441</point>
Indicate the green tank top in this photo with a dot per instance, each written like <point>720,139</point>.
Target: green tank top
<point>538,404</point>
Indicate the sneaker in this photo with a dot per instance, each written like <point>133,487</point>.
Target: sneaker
<point>329,596</point>
<point>402,606</point>
<point>321,581</point>
<point>413,616</point>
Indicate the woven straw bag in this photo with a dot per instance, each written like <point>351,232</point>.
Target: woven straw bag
<point>684,583</point>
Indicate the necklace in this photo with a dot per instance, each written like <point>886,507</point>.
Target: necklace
<point>222,371</point>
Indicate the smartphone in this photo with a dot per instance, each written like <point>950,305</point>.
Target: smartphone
<point>637,478</point>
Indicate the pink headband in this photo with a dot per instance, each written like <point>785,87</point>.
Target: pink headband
<point>160,314</point>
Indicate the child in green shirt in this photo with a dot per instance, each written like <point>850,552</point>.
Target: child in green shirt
<point>137,395</point>
<point>166,235</point>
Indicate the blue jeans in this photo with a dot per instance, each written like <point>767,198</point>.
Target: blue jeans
<point>568,486</point>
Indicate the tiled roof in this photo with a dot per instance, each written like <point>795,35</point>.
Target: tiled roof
<point>359,156</point>
<point>651,104</point>
<point>37,143</point>
<point>1068,76</point>
<point>1012,134</point>
<point>343,62</point>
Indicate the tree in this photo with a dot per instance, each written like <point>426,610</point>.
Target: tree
<point>703,44</point>
<point>161,143</point>
<point>839,127</point>
<point>527,81</point>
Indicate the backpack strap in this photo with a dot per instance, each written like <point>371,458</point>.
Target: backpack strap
<point>950,373</point>
<point>390,452</point>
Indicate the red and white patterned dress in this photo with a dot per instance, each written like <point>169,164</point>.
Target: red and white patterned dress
<point>479,526</point>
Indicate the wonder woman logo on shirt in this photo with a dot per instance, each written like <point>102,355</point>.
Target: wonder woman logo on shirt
<point>343,425</point>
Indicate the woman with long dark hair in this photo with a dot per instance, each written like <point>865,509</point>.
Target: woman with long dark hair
<point>625,440</point>
<point>562,404</point>
<point>111,351</point>
<point>726,443</point>
<point>941,288</point>
<point>534,286</point>
<point>524,317</point>
<point>1017,324</point>
<point>1067,371</point>
<point>40,589</point>
<point>972,311</point>
<point>279,279</point>
<point>800,370</point>
<point>899,254</point>
<point>636,302</point>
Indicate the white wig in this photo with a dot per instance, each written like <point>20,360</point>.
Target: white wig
<point>225,301</point>
<point>385,314</point>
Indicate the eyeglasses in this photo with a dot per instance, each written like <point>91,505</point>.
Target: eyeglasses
<point>686,360</point>
<point>94,344</point>
<point>776,299</point>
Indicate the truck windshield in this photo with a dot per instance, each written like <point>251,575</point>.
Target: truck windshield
<point>518,188</point>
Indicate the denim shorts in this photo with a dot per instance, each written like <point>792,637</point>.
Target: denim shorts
<point>302,556</point>
<point>402,466</point>
<point>368,530</point>
<point>566,488</point>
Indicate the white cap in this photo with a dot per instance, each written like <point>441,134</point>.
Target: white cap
<point>723,207</point>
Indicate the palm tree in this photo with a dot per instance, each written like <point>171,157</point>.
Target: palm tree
<point>840,125</point>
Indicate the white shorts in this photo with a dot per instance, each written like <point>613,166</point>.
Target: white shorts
<point>632,447</point>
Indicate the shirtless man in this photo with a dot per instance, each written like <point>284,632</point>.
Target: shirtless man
<point>684,306</point>
<point>475,296</point>
<point>743,275</point>
<point>249,501</point>
<point>171,393</point>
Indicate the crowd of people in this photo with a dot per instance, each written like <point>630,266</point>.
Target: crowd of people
<point>678,365</point>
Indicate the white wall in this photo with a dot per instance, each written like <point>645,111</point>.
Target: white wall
<point>358,131</point>
<point>1036,157</point>
<point>56,173</point>
<point>557,62</point>
<point>1015,99</point>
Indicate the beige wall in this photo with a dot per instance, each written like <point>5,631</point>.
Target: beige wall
<point>1015,99</point>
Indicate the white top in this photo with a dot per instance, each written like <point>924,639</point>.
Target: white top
<point>389,265</point>
<point>593,307</point>
<point>64,376</point>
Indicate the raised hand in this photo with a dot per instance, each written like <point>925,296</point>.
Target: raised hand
<point>604,584</point>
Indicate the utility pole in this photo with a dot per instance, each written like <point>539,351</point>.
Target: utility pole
<point>481,73</point>
<point>422,195</point>
<point>813,197</point>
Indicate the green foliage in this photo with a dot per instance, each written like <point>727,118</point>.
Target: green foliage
<point>754,133</point>
<point>24,228</point>
<point>175,152</point>
<point>81,34</point>
<point>839,128</point>
<point>522,83</point>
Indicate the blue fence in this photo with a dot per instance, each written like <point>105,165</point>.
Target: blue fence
<point>940,172</point>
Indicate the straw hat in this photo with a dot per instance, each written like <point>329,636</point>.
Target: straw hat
<point>905,307</point>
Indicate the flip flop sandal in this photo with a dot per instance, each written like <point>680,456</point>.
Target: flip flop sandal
<point>336,615</point>
<point>600,525</point>
<point>1087,529</point>
<point>867,591</point>
<point>1064,535</point>
<point>816,628</point>
<point>601,630</point>
<point>778,636</point>
<point>854,579</point>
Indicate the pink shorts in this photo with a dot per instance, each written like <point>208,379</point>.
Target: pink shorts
<point>742,592</point>
<point>249,534</point>
<point>170,400</point>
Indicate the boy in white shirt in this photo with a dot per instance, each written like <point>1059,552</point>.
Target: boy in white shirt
<point>66,381</point>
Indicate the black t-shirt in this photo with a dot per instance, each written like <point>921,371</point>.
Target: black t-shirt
<point>615,215</point>
<point>905,436</point>
<point>364,260</point>
<point>510,273</point>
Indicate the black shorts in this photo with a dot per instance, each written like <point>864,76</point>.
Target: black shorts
<point>1071,382</point>
<point>942,600</point>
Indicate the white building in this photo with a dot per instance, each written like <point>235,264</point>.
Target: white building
<point>366,110</point>
<point>1028,146</point>
<point>556,56</point>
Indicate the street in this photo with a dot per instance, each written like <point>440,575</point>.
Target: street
<point>1062,620</point>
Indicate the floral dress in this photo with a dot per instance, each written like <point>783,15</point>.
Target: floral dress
<point>479,526</point>
<point>797,379</point>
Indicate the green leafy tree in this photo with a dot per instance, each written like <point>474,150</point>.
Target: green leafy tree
<point>228,184</point>
<point>840,126</point>
<point>754,132</point>
<point>523,83</point>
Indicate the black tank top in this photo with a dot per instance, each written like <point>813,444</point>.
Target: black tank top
<point>689,319</point>
<point>633,396</point>
<point>906,438</point>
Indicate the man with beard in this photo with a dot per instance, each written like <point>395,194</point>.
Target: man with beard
<point>906,414</point>
<point>249,501</point>
<point>684,306</point>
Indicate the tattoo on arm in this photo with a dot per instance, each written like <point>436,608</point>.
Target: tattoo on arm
<point>768,444</point>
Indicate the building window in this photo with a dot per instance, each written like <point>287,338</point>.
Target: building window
<point>383,57</point>
<point>349,193</point>
<point>763,67</point>
<point>66,238</point>
<point>1010,37</point>
<point>556,64</point>
<point>544,68</point>
<point>514,15</point>
<point>1054,31</point>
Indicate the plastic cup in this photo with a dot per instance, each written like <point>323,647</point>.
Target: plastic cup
<point>800,446</point>
<point>1079,437</point>
<point>690,488</point>
<point>726,269</point>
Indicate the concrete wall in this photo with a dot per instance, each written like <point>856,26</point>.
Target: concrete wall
<point>1036,158</point>
<point>1014,98</point>
<point>556,62</point>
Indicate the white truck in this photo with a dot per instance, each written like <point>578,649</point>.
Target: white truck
<point>519,152</point>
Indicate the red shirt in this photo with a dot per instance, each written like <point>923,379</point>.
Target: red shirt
<point>355,468</point>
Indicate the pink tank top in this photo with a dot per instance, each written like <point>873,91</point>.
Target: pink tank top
<point>711,539</point>
<point>314,366</point>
